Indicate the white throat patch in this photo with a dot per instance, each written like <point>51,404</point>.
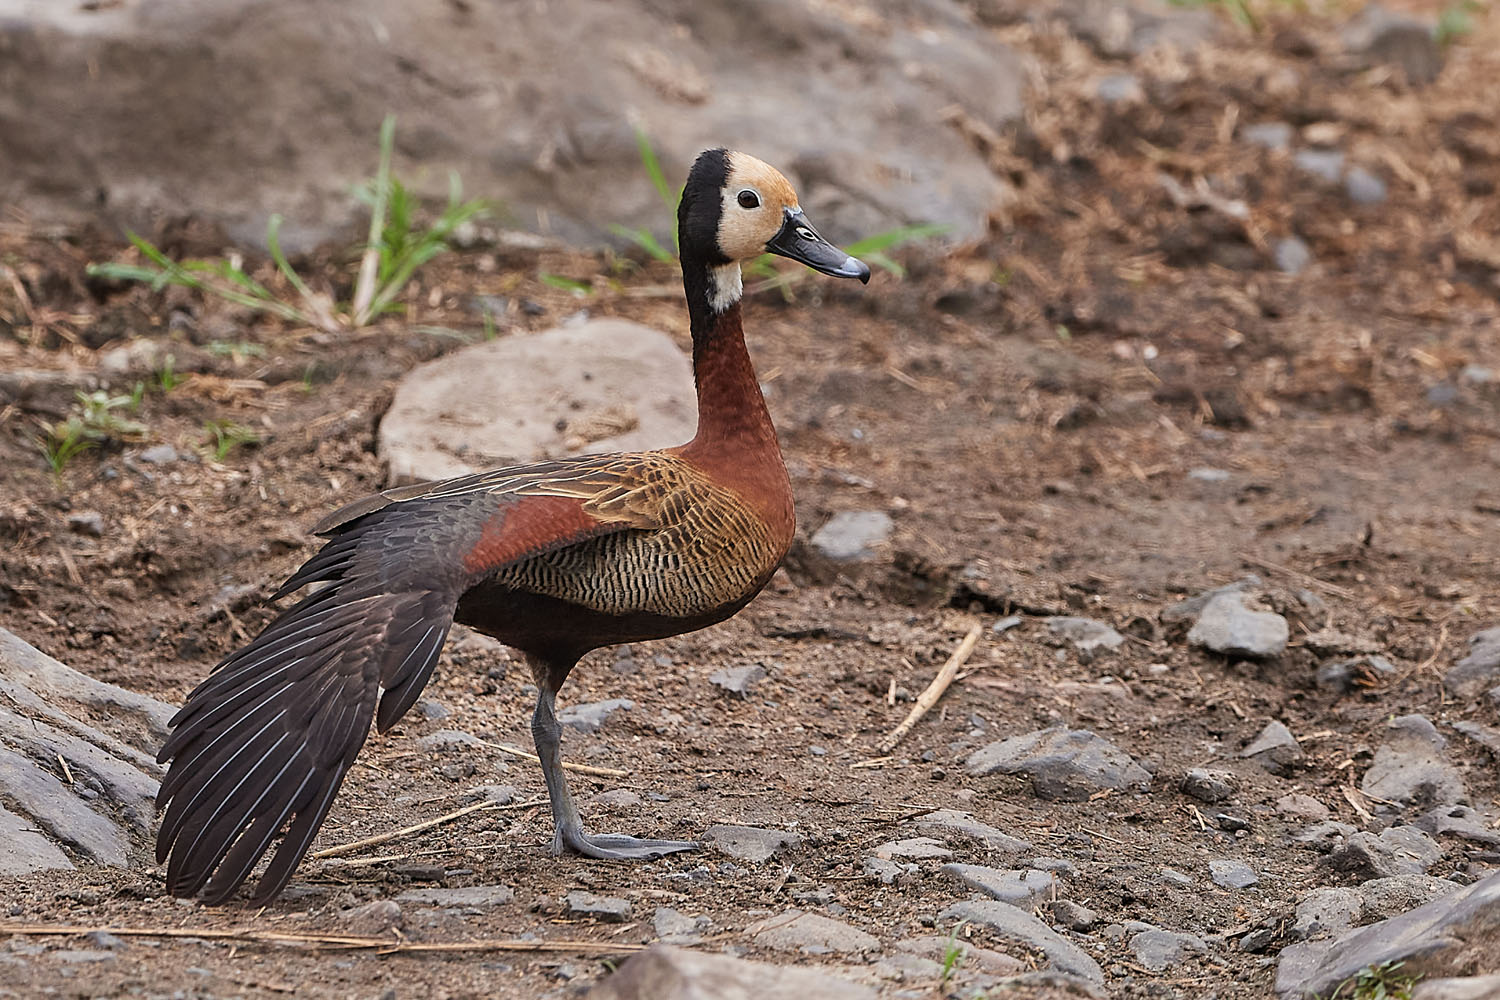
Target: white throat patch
<point>725,286</point>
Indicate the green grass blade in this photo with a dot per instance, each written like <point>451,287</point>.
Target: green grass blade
<point>654,170</point>
<point>892,238</point>
<point>273,244</point>
<point>644,239</point>
<point>578,288</point>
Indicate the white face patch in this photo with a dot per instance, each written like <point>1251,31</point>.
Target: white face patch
<point>725,287</point>
<point>743,232</point>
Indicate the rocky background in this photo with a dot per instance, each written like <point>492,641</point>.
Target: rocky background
<point>1179,448</point>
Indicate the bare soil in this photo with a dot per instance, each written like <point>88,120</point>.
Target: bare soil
<point>1029,410</point>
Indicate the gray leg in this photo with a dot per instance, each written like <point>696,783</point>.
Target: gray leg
<point>569,835</point>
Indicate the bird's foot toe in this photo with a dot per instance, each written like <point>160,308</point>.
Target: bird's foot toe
<point>619,847</point>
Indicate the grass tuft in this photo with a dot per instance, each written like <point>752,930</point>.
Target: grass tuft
<point>226,435</point>
<point>1386,981</point>
<point>94,420</point>
<point>396,248</point>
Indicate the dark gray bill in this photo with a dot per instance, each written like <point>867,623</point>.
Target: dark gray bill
<point>801,242</point>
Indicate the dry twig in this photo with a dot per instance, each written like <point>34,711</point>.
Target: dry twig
<point>935,690</point>
<point>385,838</point>
<point>601,772</point>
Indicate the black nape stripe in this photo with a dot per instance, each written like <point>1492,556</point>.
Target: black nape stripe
<point>702,203</point>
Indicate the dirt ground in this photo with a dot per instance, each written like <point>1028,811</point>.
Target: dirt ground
<point>1029,410</point>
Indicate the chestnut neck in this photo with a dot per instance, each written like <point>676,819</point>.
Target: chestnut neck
<point>732,415</point>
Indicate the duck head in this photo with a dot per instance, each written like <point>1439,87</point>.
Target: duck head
<point>735,208</point>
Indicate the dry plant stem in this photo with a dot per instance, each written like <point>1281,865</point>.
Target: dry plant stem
<point>383,945</point>
<point>385,838</point>
<point>1311,581</point>
<point>599,772</point>
<point>935,690</point>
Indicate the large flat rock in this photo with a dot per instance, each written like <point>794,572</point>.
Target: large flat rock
<point>604,385</point>
<point>72,792</point>
<point>534,105</point>
<point>1455,934</point>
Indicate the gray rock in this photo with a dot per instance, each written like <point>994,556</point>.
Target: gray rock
<point>1006,624</point>
<point>25,849</point>
<point>1062,763</point>
<point>662,972</point>
<point>609,909</point>
<point>448,739</point>
<point>917,848</point>
<point>617,800</point>
<point>1275,749</point>
<point>1410,768</point>
<point>1227,626</point>
<point>380,916</point>
<point>679,928</point>
<point>1378,35</point>
<point>474,895</point>
<point>1207,475</point>
<point>888,872</point>
<point>1158,949</point>
<point>1465,988</point>
<point>1017,925</point>
<point>1208,786</point>
<point>1386,897</point>
<point>568,154</point>
<point>1232,874</point>
<point>1460,821</point>
<point>1018,887</point>
<point>1120,88</point>
<point>810,933</point>
<point>87,522</point>
<point>963,824</point>
<point>1439,933</point>
<point>1327,834</point>
<point>434,711</point>
<point>1291,254</point>
<point>1324,164</point>
<point>1073,916</point>
<point>590,716</point>
<point>1118,30</point>
<point>1086,634</point>
<point>1477,671</point>
<point>851,536</point>
<point>32,678</point>
<point>1363,187</point>
<point>1398,850</point>
<point>1324,912</point>
<point>618,385</point>
<point>1174,877</point>
<point>1190,609</point>
<point>749,843</point>
<point>1298,806</point>
<point>1486,736</point>
<point>1363,672</point>
<point>93,790</point>
<point>1476,374</point>
<point>159,454</point>
<point>1272,135</point>
<point>502,795</point>
<point>738,680</point>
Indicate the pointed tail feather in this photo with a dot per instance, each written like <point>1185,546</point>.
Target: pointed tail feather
<point>266,740</point>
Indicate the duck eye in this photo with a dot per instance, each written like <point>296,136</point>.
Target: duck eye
<point>749,199</point>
